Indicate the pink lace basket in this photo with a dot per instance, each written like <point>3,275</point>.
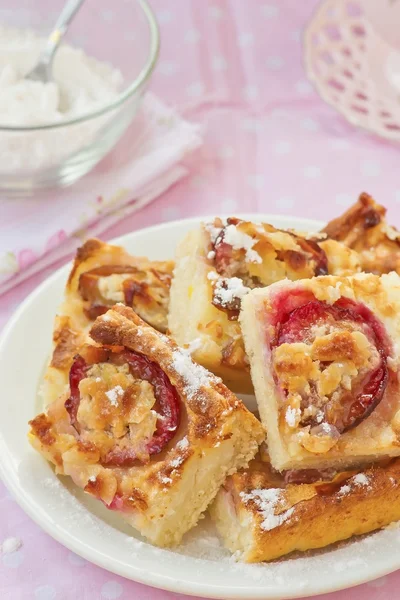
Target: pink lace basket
<point>352,56</point>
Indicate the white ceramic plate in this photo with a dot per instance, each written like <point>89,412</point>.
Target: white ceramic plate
<point>201,567</point>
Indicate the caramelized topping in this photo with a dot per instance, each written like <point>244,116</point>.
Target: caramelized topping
<point>145,290</point>
<point>331,362</point>
<point>309,476</point>
<point>364,228</point>
<point>246,256</point>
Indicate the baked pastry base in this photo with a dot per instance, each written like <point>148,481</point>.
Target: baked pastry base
<point>259,518</point>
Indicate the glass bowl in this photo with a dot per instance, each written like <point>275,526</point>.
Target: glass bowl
<point>123,34</point>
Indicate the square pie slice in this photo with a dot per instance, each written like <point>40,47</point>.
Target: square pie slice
<point>261,517</point>
<point>144,429</point>
<point>101,276</point>
<point>218,264</point>
<point>363,227</point>
<point>324,355</point>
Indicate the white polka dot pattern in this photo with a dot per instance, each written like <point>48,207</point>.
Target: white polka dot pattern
<point>192,36</point>
<point>168,68</point>
<point>303,88</point>
<point>344,199</point>
<point>216,12</point>
<point>285,202</point>
<point>111,590</point>
<point>195,89</point>
<point>269,10</point>
<point>283,147</point>
<point>251,92</point>
<point>275,63</point>
<point>228,205</point>
<point>312,172</point>
<point>256,181</point>
<point>309,124</point>
<point>246,38</point>
<point>219,63</point>
<point>45,592</point>
<point>13,560</point>
<point>164,17</point>
<point>370,168</point>
<point>226,152</point>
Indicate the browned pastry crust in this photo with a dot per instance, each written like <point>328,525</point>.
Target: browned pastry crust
<point>161,493</point>
<point>363,227</point>
<point>102,275</point>
<point>262,518</point>
<point>217,265</point>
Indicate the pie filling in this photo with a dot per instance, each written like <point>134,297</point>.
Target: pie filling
<point>330,361</point>
<point>146,291</point>
<point>122,403</point>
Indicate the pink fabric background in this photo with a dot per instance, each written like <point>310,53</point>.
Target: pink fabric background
<point>271,145</point>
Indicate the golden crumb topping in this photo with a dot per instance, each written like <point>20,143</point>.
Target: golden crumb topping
<point>114,404</point>
<point>322,374</point>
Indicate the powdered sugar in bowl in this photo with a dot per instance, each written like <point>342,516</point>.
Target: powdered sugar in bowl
<point>52,134</point>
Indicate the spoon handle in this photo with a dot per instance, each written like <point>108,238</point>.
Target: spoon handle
<point>61,26</point>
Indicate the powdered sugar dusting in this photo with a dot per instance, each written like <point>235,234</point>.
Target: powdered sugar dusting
<point>11,544</point>
<point>163,337</point>
<point>183,444</point>
<point>239,240</point>
<point>194,375</point>
<point>228,290</point>
<point>291,416</point>
<point>165,479</point>
<point>192,346</point>
<point>266,501</point>
<point>212,276</point>
<point>361,479</point>
<point>72,509</point>
<point>213,231</point>
<point>326,428</point>
<point>339,567</point>
<point>115,393</point>
<point>176,462</point>
<point>345,489</point>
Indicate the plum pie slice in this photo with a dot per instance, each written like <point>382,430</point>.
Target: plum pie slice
<point>262,515</point>
<point>218,264</point>
<point>103,275</point>
<point>324,355</point>
<point>144,429</point>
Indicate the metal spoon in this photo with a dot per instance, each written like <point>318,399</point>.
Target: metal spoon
<point>43,70</point>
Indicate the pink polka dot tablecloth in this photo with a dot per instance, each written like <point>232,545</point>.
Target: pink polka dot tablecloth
<point>270,145</point>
